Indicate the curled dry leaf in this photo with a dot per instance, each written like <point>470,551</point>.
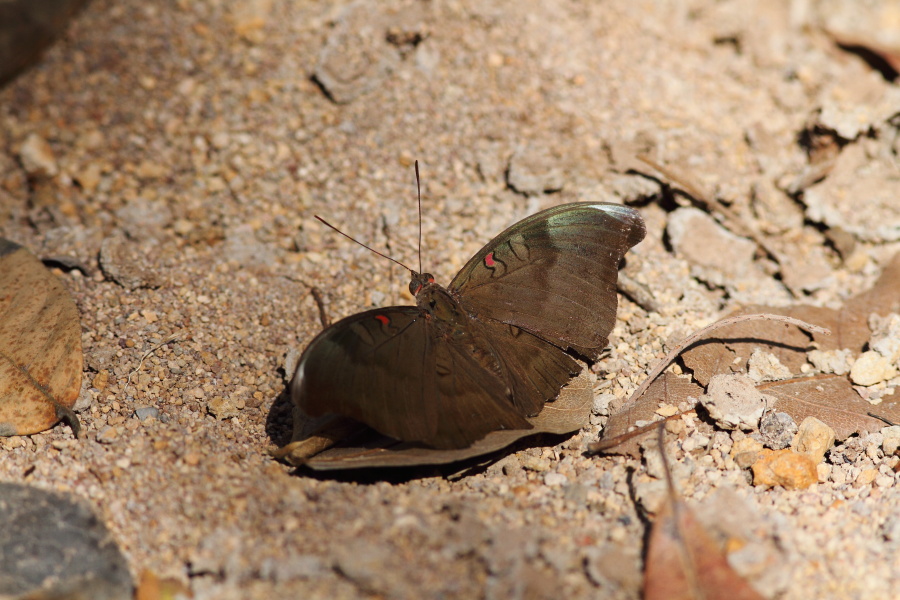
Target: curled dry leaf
<point>849,326</point>
<point>684,563</point>
<point>40,346</point>
<point>568,413</point>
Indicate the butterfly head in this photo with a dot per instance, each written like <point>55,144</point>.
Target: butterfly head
<point>419,281</point>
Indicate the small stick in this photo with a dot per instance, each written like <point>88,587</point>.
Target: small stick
<point>604,445</point>
<point>637,292</point>
<point>171,338</point>
<point>880,418</point>
<point>685,343</point>
<point>316,293</point>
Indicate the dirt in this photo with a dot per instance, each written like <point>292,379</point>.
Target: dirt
<point>179,152</point>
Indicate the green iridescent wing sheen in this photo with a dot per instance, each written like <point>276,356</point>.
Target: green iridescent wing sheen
<point>554,274</point>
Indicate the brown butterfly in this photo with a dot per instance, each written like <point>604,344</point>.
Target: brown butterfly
<point>488,350</point>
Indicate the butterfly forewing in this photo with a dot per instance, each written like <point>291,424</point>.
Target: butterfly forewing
<point>554,273</point>
<point>370,367</point>
<point>390,370</point>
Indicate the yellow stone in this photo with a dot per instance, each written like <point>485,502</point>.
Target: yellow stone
<point>789,469</point>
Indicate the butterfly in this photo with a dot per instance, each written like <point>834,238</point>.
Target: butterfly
<point>488,350</point>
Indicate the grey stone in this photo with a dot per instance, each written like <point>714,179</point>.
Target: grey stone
<point>53,545</point>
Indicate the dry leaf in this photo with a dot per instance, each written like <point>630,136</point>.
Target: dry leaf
<point>669,389</point>
<point>40,346</point>
<point>849,327</point>
<point>832,400</point>
<point>684,563</point>
<point>569,412</point>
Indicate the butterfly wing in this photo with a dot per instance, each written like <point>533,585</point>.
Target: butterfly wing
<point>388,369</point>
<point>554,273</point>
<point>534,369</point>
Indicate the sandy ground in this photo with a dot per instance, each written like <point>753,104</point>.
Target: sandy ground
<point>189,145</point>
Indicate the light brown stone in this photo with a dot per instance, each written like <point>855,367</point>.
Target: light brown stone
<point>789,469</point>
<point>745,452</point>
<point>814,438</point>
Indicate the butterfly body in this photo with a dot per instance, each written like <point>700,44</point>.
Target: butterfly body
<point>490,349</point>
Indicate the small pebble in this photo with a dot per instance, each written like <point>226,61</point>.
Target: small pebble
<point>765,366</point>
<point>145,412</point>
<point>884,481</point>
<point>555,479</point>
<point>891,439</point>
<point>789,469</point>
<point>831,361</point>
<point>532,171</point>
<point>107,435</point>
<point>666,410</point>
<point>777,430</point>
<point>221,408</point>
<point>601,404</point>
<point>734,402</point>
<point>37,157</point>
<point>535,463</point>
<point>719,254</point>
<point>746,451</point>
<point>100,380</point>
<point>872,368</point>
<point>865,477</point>
<point>814,438</point>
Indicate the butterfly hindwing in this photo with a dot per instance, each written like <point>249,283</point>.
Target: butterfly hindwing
<point>554,273</point>
<point>534,368</point>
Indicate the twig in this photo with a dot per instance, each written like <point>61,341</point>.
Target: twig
<point>880,418</point>
<point>316,293</point>
<point>637,292</point>
<point>171,338</point>
<point>604,445</point>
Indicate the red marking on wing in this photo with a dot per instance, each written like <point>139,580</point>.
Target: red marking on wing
<point>489,260</point>
<point>431,280</point>
<point>384,320</point>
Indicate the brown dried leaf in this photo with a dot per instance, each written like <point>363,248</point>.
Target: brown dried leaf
<point>832,400</point>
<point>669,389</point>
<point>849,327</point>
<point>684,563</point>
<point>569,412</point>
<point>40,345</point>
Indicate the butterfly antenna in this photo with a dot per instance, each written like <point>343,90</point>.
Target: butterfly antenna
<point>419,194</point>
<point>363,245</point>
